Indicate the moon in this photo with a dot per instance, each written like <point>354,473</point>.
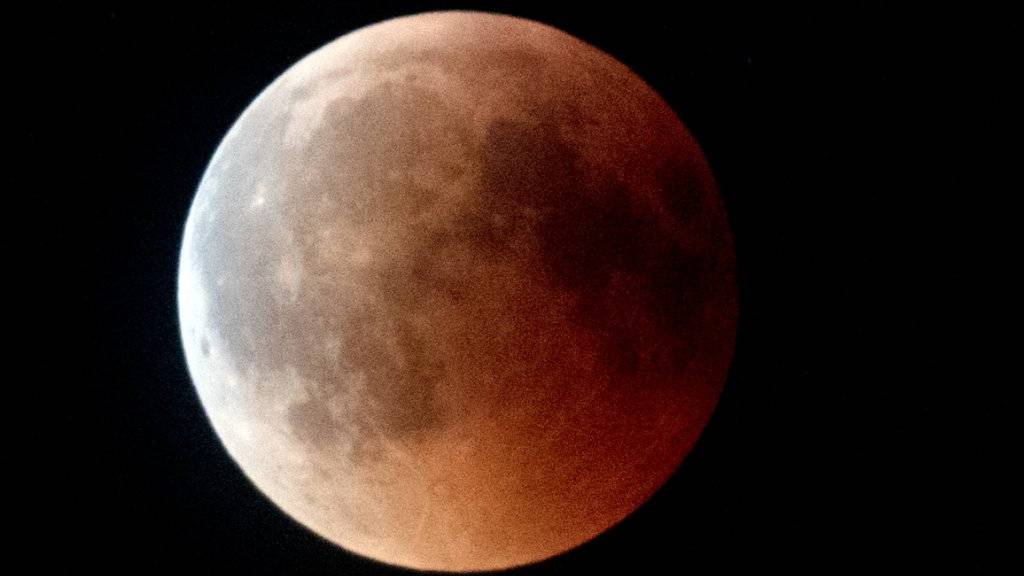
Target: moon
<point>457,291</point>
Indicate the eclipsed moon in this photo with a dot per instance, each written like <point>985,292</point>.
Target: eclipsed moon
<point>457,291</point>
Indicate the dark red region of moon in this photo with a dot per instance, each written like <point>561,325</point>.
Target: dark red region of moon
<point>457,291</point>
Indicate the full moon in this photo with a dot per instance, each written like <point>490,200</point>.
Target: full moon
<point>457,291</point>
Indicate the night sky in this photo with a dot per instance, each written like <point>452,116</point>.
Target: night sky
<point>835,139</point>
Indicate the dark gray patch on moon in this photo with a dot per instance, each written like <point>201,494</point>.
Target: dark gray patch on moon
<point>402,386</point>
<point>311,422</point>
<point>589,240</point>
<point>365,148</point>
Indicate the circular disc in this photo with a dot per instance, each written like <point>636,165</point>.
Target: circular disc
<point>457,291</point>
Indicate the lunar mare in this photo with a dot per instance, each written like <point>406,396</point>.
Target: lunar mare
<point>457,291</point>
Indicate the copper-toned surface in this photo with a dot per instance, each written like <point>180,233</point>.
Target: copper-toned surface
<point>457,291</point>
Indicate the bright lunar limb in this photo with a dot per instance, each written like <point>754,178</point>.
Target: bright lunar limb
<point>457,291</point>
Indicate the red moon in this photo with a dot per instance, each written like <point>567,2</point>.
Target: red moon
<point>457,291</point>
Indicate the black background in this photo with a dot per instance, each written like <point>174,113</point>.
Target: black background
<point>847,436</point>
